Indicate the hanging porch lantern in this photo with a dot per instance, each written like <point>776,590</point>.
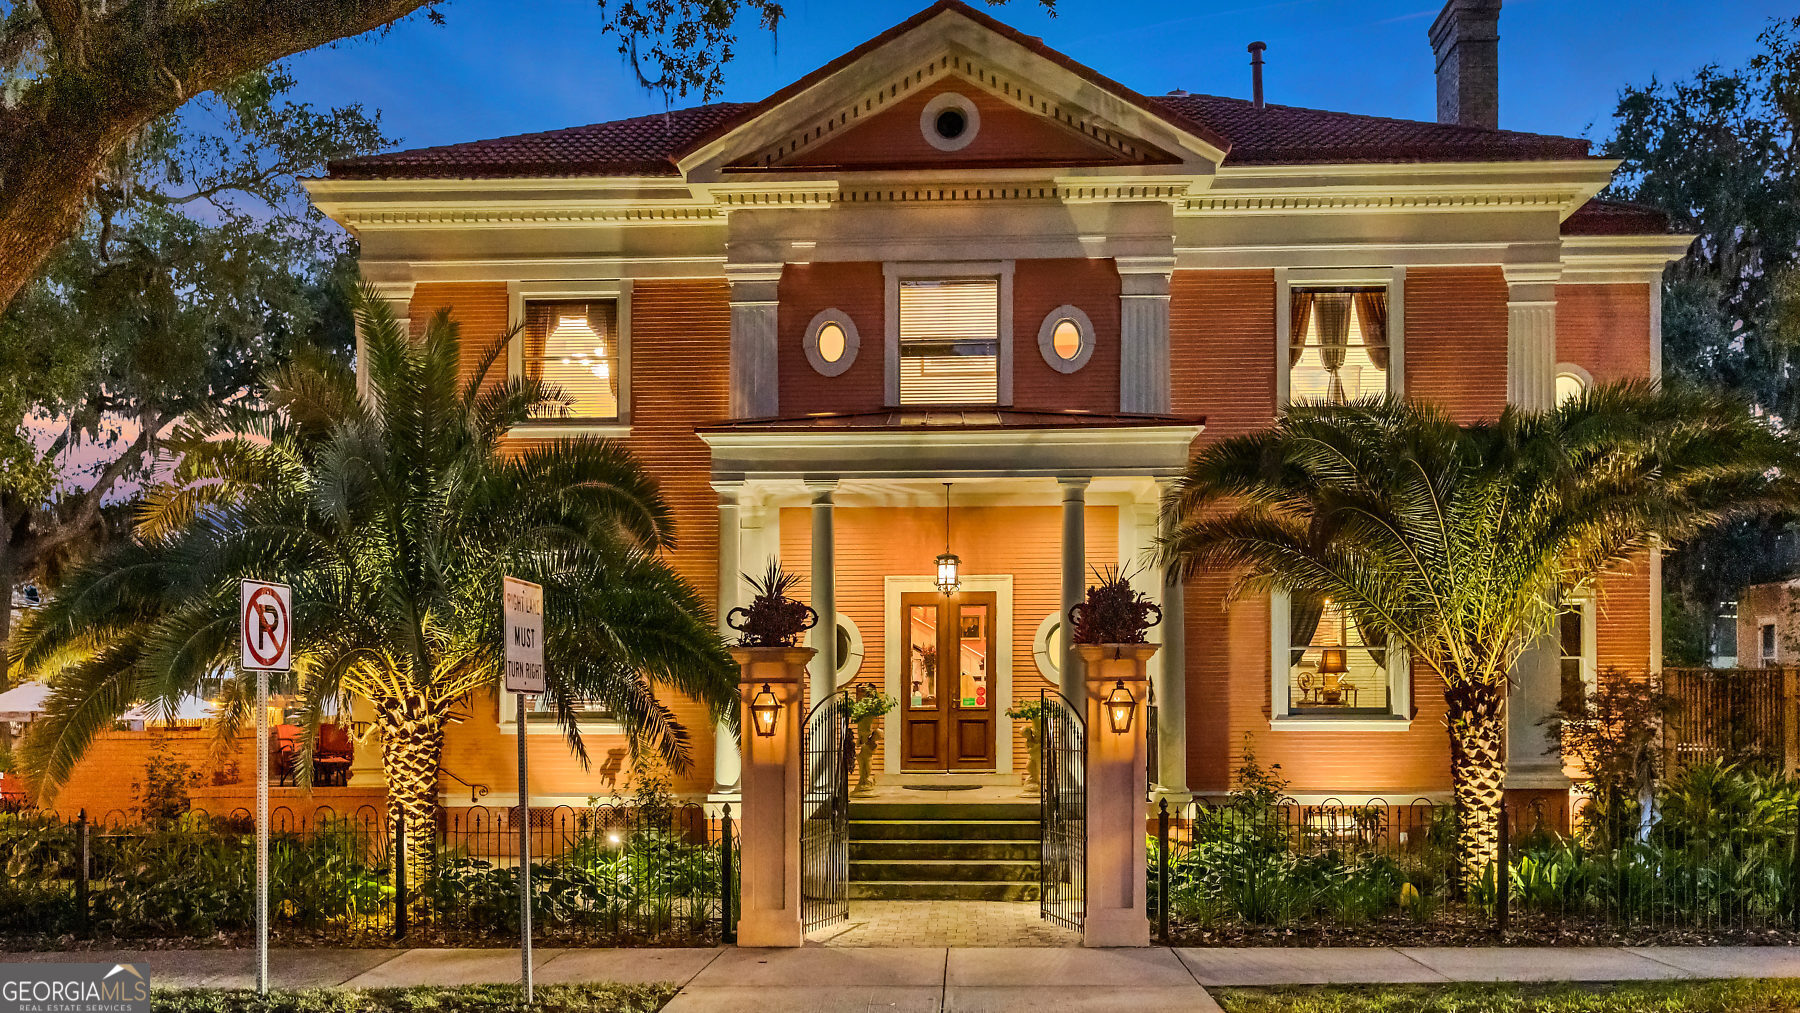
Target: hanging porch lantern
<point>949,576</point>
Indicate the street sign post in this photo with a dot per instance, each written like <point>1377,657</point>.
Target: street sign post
<point>266,644</point>
<point>522,618</point>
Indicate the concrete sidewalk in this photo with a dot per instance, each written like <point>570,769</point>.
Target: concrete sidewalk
<point>723,979</point>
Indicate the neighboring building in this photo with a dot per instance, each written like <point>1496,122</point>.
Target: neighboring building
<point>1768,625</point>
<point>955,255</point>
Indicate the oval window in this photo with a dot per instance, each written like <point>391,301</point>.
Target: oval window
<point>1066,339</point>
<point>831,342</point>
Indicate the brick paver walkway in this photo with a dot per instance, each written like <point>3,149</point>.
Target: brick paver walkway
<point>944,923</point>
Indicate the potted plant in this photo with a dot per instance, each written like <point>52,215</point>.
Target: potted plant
<point>772,619</point>
<point>864,707</point>
<point>1114,612</point>
<point>1029,713</point>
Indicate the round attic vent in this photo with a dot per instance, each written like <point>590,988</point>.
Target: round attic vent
<point>949,122</point>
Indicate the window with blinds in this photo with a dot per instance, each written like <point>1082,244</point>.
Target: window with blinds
<point>574,348</point>
<point>950,341</point>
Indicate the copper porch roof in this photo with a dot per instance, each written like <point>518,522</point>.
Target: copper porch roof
<point>950,418</point>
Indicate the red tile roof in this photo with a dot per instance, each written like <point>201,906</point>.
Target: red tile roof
<point>640,146</point>
<point>1290,135</point>
<point>1615,218</point>
<point>1274,135</point>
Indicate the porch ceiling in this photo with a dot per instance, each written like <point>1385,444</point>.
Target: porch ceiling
<point>940,444</point>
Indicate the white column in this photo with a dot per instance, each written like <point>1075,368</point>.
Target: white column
<point>1074,574</point>
<point>1144,333</point>
<point>1531,335</point>
<point>1536,684</point>
<point>728,762</point>
<point>824,587</point>
<point>754,386</point>
<point>1170,666</point>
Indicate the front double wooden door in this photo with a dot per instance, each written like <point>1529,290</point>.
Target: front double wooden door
<point>947,715</point>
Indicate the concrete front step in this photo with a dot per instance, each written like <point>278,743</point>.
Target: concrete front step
<point>943,830</point>
<point>954,870</point>
<point>935,811</point>
<point>943,891</point>
<point>926,850</point>
<point>935,850</point>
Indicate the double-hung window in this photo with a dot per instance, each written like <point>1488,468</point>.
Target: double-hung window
<point>575,348</point>
<point>1334,668</point>
<point>949,347</point>
<point>1576,652</point>
<point>1338,347</point>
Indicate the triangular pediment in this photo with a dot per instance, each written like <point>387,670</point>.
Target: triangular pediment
<point>1026,106</point>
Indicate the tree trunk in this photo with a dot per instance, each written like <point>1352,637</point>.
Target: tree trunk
<point>1477,720</point>
<point>412,747</point>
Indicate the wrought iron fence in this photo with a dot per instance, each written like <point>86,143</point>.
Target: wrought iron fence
<point>1716,858</point>
<point>1062,801</point>
<point>827,752</point>
<point>600,874</point>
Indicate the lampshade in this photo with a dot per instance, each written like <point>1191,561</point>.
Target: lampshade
<point>1121,706</point>
<point>764,711</point>
<point>948,579</point>
<point>1333,661</point>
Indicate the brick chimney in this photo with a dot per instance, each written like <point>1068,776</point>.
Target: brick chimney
<point>1466,39</point>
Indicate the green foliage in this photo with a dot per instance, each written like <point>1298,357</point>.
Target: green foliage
<point>164,792</point>
<point>393,517</point>
<point>199,264</point>
<point>865,703</point>
<point>1749,996</point>
<point>425,999</point>
<point>1716,152</point>
<point>1029,709</point>
<point>1259,858</point>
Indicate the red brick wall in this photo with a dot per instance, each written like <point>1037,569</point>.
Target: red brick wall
<point>1040,286</point>
<point>108,781</point>
<point>1605,329</point>
<point>856,289</point>
<point>1456,339</point>
<point>480,311</point>
<point>680,354</point>
<point>1222,347</point>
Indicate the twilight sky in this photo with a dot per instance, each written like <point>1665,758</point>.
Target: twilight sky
<point>511,66</point>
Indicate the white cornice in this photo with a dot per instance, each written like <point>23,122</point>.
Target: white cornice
<point>1620,259</point>
<point>771,454</point>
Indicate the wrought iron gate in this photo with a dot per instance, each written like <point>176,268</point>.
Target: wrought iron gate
<point>1062,840</point>
<point>827,751</point>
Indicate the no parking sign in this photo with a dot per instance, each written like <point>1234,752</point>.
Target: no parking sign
<point>267,641</point>
<point>266,644</point>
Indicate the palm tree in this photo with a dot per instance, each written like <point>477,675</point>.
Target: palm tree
<point>393,516</point>
<point>1457,542</point>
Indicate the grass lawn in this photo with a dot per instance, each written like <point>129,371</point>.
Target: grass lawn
<point>1781,996</point>
<point>465,999</point>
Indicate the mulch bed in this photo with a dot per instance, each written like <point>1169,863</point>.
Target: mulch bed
<point>1461,928</point>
